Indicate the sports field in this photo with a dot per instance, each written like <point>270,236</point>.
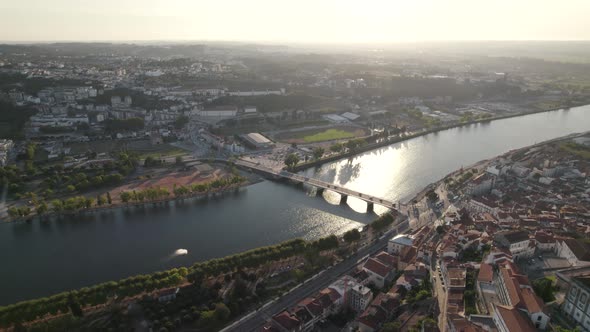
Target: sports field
<point>321,135</point>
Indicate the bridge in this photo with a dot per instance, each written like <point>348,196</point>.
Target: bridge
<point>320,185</point>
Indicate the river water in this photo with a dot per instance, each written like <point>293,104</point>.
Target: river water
<point>42,258</point>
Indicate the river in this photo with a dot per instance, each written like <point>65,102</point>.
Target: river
<point>42,258</point>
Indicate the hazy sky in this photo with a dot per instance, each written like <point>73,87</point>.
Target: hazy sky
<point>294,20</point>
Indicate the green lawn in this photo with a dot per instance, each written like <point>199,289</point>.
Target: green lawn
<point>328,135</point>
<point>164,153</point>
<point>576,149</point>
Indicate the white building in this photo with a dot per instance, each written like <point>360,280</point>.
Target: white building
<point>399,242</point>
<point>49,120</point>
<point>353,294</point>
<point>576,252</point>
<point>482,184</point>
<point>518,242</point>
<point>250,109</point>
<point>360,298</point>
<point>576,302</point>
<point>220,112</point>
<point>256,93</point>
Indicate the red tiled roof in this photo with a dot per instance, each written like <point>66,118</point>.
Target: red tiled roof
<point>314,306</point>
<point>462,324</point>
<point>408,254</point>
<point>387,259</point>
<point>486,273</point>
<point>377,267</point>
<point>388,302</point>
<point>531,302</point>
<point>511,286</point>
<point>328,296</point>
<point>373,317</point>
<point>286,320</point>
<point>514,319</point>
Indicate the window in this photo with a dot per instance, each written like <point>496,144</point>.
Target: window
<point>573,292</point>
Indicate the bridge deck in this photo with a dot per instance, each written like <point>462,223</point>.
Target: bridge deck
<point>320,184</point>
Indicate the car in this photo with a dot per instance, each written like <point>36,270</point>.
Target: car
<point>540,257</point>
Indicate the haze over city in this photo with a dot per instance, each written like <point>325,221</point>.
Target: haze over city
<point>330,21</point>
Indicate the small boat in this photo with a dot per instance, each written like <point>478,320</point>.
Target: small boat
<point>180,252</point>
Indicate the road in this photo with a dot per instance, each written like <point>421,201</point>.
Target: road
<point>256,320</point>
<point>441,295</point>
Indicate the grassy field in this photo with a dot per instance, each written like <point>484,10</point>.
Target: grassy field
<point>576,149</point>
<point>549,105</point>
<point>328,135</point>
<point>164,153</point>
<point>143,147</point>
<point>320,134</point>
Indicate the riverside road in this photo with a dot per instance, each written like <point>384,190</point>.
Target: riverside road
<point>256,320</point>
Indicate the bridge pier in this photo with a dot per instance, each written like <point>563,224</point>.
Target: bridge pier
<point>370,207</point>
<point>319,191</point>
<point>343,199</point>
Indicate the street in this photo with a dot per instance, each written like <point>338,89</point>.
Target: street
<point>258,319</point>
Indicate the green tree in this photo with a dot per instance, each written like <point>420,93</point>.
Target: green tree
<point>337,147</point>
<point>291,160</point>
<point>150,161</point>
<point>57,205</point>
<point>42,208</point>
<point>222,312</point>
<point>30,150</point>
<point>432,195</point>
<point>181,121</point>
<point>563,329</point>
<point>13,212</point>
<point>125,196</point>
<point>382,222</point>
<point>352,235</point>
<point>544,288</point>
<point>74,306</point>
<point>100,200</point>
<point>88,202</point>
<point>318,152</point>
<point>109,200</point>
<point>178,160</point>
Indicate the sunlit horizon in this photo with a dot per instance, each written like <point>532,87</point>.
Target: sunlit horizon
<point>306,21</point>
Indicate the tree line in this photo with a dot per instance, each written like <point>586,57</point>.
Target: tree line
<point>156,193</point>
<point>74,301</point>
<point>89,296</point>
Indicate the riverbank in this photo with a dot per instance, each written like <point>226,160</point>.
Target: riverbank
<point>393,140</point>
<point>250,180</point>
<point>485,162</point>
<point>133,241</point>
